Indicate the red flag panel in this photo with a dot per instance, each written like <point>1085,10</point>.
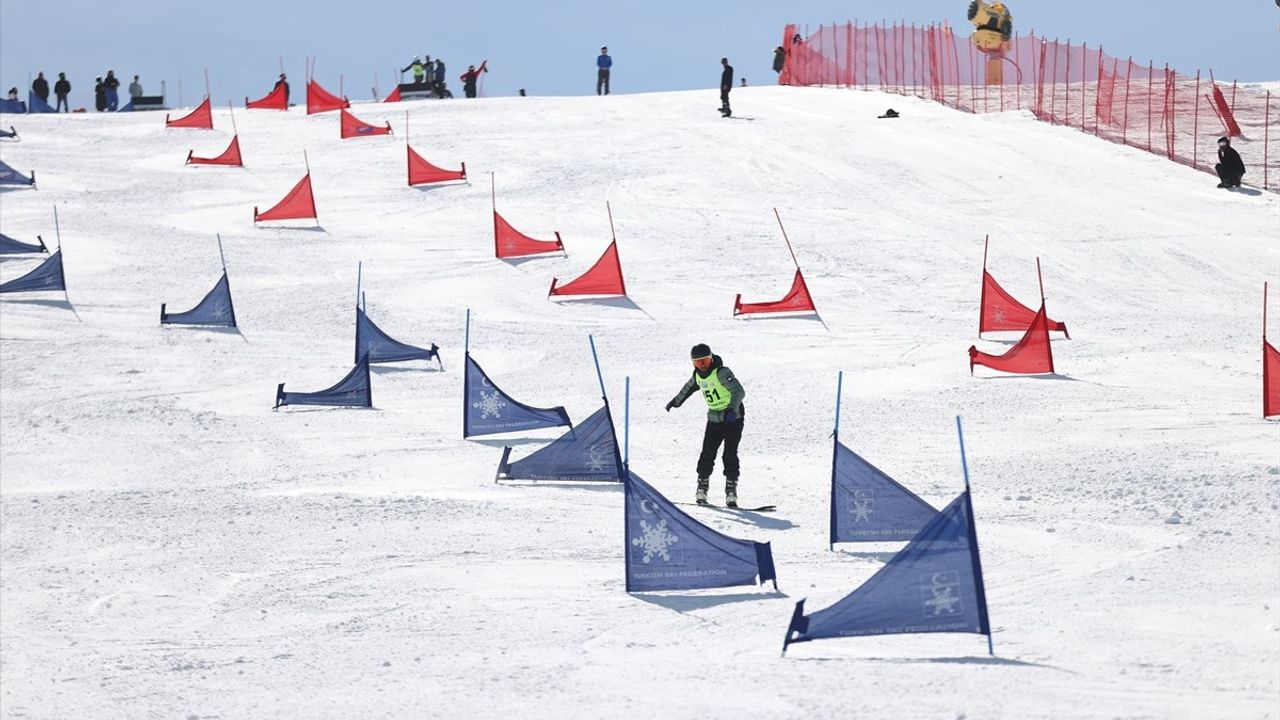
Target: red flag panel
<point>1000,311</point>
<point>797,299</point>
<point>604,278</point>
<point>1270,380</point>
<point>230,156</point>
<point>299,203</point>
<point>394,95</point>
<point>274,100</point>
<point>509,242</point>
<point>320,100</point>
<point>1031,355</point>
<point>422,172</point>
<point>353,126</point>
<point>201,118</point>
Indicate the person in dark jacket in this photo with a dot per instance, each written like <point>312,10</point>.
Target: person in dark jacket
<point>604,64</point>
<point>779,59</point>
<point>40,87</point>
<point>438,80</point>
<point>61,89</point>
<point>723,393</point>
<point>111,86</point>
<point>726,84</point>
<point>1230,167</point>
<point>469,79</point>
<point>99,95</point>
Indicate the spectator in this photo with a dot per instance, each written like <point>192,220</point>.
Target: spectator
<point>469,79</point>
<point>439,80</point>
<point>779,59</point>
<point>1230,167</point>
<point>419,74</point>
<point>135,88</point>
<point>61,89</point>
<point>283,82</point>
<point>13,94</point>
<point>112,86</point>
<point>603,64</point>
<point>40,87</point>
<point>99,95</point>
<point>744,82</point>
<point>726,84</point>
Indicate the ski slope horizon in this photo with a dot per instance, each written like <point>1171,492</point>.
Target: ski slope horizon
<point>172,546</point>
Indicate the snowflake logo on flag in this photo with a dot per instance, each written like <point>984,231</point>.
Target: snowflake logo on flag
<point>595,460</point>
<point>998,315</point>
<point>861,510</point>
<point>655,540</point>
<point>354,395</point>
<point>509,245</point>
<point>796,301</point>
<point>941,593</point>
<point>489,405</point>
<point>370,346</point>
<point>50,281</point>
<point>220,311</point>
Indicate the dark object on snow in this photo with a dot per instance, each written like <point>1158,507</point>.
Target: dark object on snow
<point>779,59</point>
<point>1230,167</point>
<point>890,113</point>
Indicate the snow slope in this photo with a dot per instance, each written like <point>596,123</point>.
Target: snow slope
<point>170,547</point>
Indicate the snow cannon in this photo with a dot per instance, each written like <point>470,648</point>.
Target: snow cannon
<point>993,30</point>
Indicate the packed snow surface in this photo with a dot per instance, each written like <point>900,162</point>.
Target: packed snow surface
<point>171,547</point>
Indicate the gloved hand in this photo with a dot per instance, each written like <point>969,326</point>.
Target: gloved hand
<point>730,416</point>
<point>671,405</point>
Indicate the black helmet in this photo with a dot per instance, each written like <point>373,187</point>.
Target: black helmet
<point>700,350</point>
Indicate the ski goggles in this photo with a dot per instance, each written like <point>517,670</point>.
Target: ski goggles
<point>702,363</point>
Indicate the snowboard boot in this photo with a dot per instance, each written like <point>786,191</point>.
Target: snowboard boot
<point>703,485</point>
<point>731,492</point>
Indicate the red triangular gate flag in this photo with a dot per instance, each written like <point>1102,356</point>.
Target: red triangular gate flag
<point>320,100</point>
<point>796,300</point>
<point>422,172</point>
<point>509,242</point>
<point>1031,355</point>
<point>299,203</point>
<point>230,156</point>
<point>1000,311</point>
<point>394,96</point>
<point>604,278</point>
<point>201,117</point>
<point>274,100</point>
<point>1270,380</point>
<point>353,126</point>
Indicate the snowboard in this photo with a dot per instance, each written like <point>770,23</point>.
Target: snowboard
<point>761,508</point>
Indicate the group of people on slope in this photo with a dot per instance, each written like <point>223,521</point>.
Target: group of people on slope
<point>106,94</point>
<point>430,74</point>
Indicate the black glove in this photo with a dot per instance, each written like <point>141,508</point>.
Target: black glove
<point>671,405</point>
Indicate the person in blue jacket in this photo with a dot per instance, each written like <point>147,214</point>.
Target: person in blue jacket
<point>603,63</point>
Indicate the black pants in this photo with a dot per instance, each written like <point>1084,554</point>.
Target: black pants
<point>1227,178</point>
<point>602,81</point>
<point>62,104</point>
<point>728,433</point>
<point>724,97</point>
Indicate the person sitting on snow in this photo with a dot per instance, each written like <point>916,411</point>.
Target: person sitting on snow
<point>1230,167</point>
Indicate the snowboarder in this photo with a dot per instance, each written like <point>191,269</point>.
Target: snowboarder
<point>40,87</point>
<point>1230,167</point>
<point>469,79</point>
<point>419,72</point>
<point>111,87</point>
<point>723,394</point>
<point>779,59</point>
<point>726,84</point>
<point>61,89</point>
<point>603,64</point>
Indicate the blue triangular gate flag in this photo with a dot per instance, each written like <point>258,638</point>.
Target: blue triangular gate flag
<point>46,276</point>
<point>669,550</point>
<point>17,107</point>
<point>9,176</point>
<point>869,506</point>
<point>487,410</point>
<point>382,348</point>
<point>934,584</point>
<point>215,309</point>
<point>352,391</point>
<point>9,246</point>
<point>37,105</point>
<point>588,452</point>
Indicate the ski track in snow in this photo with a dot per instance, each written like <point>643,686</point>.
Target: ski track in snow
<point>171,547</point>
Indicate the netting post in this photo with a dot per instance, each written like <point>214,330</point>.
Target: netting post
<point>1150,91</point>
<point>1195,126</point>
<point>1266,141</point>
<point>1066,89</point>
<point>1084,73</point>
<point>1124,129</point>
<point>1097,93</point>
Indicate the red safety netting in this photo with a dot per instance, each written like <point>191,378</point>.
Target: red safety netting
<point>352,126</point>
<point>1001,311</point>
<point>230,156</point>
<point>1155,109</point>
<point>604,278</point>
<point>277,99</point>
<point>201,118</point>
<point>320,100</point>
<point>422,172</point>
<point>299,203</point>
<point>797,299</point>
<point>1031,355</point>
<point>509,242</point>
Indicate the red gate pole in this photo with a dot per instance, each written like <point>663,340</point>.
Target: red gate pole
<point>1150,92</point>
<point>1195,127</point>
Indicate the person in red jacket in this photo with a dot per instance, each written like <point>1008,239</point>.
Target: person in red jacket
<point>469,78</point>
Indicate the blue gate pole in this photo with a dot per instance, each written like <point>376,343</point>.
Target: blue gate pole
<point>626,425</point>
<point>964,464</point>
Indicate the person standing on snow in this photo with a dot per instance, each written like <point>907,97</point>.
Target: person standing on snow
<point>111,86</point>
<point>1230,167</point>
<point>99,95</point>
<point>723,393</point>
<point>61,89</point>
<point>40,87</point>
<point>419,73</point>
<point>439,78</point>
<point>469,79</point>
<point>603,64</point>
<point>135,89</point>
<point>726,84</point>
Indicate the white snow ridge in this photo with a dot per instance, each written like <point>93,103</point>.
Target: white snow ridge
<point>172,547</point>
